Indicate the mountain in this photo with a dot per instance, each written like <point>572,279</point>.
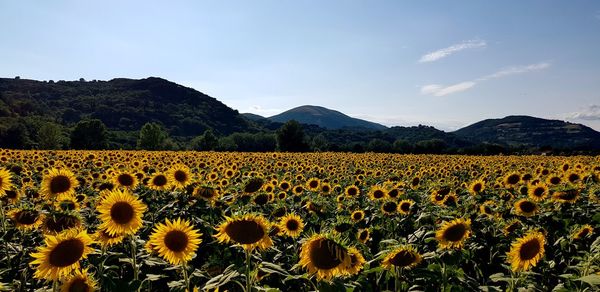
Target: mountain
<point>253,117</point>
<point>122,104</point>
<point>324,117</point>
<point>526,131</point>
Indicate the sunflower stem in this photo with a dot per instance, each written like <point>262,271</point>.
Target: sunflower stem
<point>55,286</point>
<point>248,268</point>
<point>3,218</point>
<point>186,278</point>
<point>134,258</point>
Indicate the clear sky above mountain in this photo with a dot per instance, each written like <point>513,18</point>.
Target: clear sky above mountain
<point>441,63</point>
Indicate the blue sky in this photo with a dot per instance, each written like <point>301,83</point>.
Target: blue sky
<point>441,63</point>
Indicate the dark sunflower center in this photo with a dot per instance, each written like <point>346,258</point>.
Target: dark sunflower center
<point>159,180</point>
<point>352,192</point>
<point>477,188</point>
<point>125,180</point>
<point>527,206</point>
<point>122,212</point>
<point>405,207</point>
<point>538,192</point>
<point>529,250</point>
<point>60,184</point>
<point>176,240</point>
<point>403,258</point>
<point>292,225</point>
<point>26,217</point>
<point>357,216</point>
<point>389,207</point>
<point>393,193</point>
<point>11,194</point>
<point>573,177</point>
<point>511,228</point>
<point>284,186</point>
<point>378,194</point>
<point>513,179</point>
<point>326,254</point>
<point>245,231</point>
<point>314,184</point>
<point>79,285</point>
<point>455,232</point>
<point>261,199</point>
<point>584,232</point>
<point>363,235</point>
<point>253,185</point>
<point>180,176</point>
<point>325,189</point>
<point>555,180</point>
<point>66,253</point>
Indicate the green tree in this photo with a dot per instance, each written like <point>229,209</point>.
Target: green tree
<point>290,137</point>
<point>205,142</point>
<point>319,143</point>
<point>50,136</point>
<point>402,146</point>
<point>89,134</point>
<point>152,137</point>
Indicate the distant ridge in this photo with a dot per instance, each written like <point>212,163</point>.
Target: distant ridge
<point>325,118</point>
<point>526,131</point>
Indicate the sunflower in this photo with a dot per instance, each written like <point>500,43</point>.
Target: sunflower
<point>250,231</point>
<point>57,182</point>
<point>357,261</point>
<point>253,185</point>
<point>352,191</point>
<point>26,219</point>
<point>66,203</point>
<point>291,225</point>
<point>61,254</point>
<point>377,193</point>
<point>526,251</point>
<point>13,195</point>
<point>81,281</point>
<point>538,192</point>
<point>207,193</point>
<point>159,182</point>
<point>313,184</point>
<point>511,226</point>
<point>487,209</point>
<point>121,212</point>
<point>583,231</point>
<point>566,196</point>
<point>324,256</point>
<point>389,208</point>
<point>176,241</point>
<point>476,187</point>
<point>405,206</point>
<point>357,215</point>
<point>452,234</point>
<point>107,240</point>
<point>180,176</point>
<point>511,179</point>
<point>59,221</point>
<point>404,256</point>
<point>525,207</point>
<point>5,181</point>
<point>125,180</point>
<point>363,235</point>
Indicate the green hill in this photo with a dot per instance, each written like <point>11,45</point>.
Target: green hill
<point>325,118</point>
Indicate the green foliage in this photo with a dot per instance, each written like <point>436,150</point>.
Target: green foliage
<point>152,137</point>
<point>89,135</point>
<point>208,141</point>
<point>290,137</point>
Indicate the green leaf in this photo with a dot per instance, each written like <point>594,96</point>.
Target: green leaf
<point>591,279</point>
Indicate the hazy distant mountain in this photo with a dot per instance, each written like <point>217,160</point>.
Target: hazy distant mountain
<point>532,132</point>
<point>324,117</point>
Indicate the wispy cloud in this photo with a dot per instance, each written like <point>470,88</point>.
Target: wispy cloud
<point>590,113</point>
<point>445,52</point>
<point>441,90</point>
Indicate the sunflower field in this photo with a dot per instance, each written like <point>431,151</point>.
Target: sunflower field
<point>212,221</point>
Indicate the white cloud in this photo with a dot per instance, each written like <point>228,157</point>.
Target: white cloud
<point>516,70</point>
<point>442,53</point>
<point>440,90</point>
<point>265,112</point>
<point>591,113</point>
